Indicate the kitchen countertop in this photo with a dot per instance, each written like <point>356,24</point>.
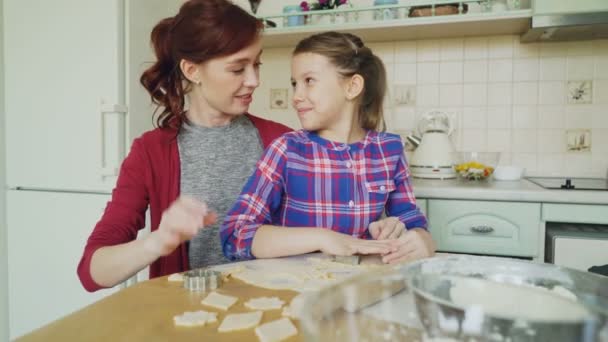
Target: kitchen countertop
<point>491,190</point>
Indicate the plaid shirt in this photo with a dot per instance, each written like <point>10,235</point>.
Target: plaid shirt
<point>303,180</point>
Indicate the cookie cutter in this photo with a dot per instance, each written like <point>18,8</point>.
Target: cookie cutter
<point>202,280</point>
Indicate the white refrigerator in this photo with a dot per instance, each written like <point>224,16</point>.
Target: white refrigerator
<point>73,104</point>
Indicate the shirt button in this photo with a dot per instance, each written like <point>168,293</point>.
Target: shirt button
<point>383,188</point>
<point>351,203</point>
<point>349,165</point>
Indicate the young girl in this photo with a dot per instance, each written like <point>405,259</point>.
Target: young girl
<point>331,182</point>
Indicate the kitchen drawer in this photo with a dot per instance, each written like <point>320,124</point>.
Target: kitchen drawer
<point>483,227</point>
<point>579,213</point>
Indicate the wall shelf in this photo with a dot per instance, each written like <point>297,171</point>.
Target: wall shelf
<point>458,25</point>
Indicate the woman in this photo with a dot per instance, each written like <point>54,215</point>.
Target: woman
<point>208,57</point>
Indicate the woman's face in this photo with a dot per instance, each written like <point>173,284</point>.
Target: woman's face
<point>227,83</point>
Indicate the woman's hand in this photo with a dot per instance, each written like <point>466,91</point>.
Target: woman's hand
<point>342,244</point>
<point>386,229</point>
<point>180,222</point>
<point>415,243</point>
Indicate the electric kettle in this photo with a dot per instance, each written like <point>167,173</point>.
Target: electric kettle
<point>433,155</point>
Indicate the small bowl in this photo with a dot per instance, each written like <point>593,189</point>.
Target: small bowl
<point>508,173</point>
<point>475,165</point>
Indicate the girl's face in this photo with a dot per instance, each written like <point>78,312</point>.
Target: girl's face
<point>319,93</point>
<point>227,83</point>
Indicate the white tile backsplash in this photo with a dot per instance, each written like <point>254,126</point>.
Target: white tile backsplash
<point>524,140</point>
<point>476,48</point>
<point>551,93</point>
<point>405,73</point>
<point>450,72</point>
<point>500,94</point>
<point>553,69</point>
<point>427,95</point>
<point>526,69</point>
<point>499,117</point>
<point>428,50</point>
<point>525,117</point>
<point>475,94</point>
<point>474,118</point>
<point>525,93</point>
<point>499,140</point>
<point>580,68</point>
<point>501,47</point>
<point>450,95</point>
<point>506,96</point>
<point>428,73</point>
<point>500,70</point>
<point>452,50</point>
<point>475,71</point>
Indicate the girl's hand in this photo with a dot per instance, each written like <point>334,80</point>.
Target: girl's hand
<point>341,244</point>
<point>389,228</point>
<point>414,244</point>
<point>180,222</point>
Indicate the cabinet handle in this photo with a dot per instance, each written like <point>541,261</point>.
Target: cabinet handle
<point>112,138</point>
<point>482,229</point>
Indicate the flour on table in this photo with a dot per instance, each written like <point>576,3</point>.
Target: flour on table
<point>264,303</point>
<point>195,318</point>
<point>219,301</point>
<point>240,321</point>
<point>299,273</point>
<point>278,330</point>
<point>177,277</point>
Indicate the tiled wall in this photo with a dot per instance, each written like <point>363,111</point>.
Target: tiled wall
<point>505,96</point>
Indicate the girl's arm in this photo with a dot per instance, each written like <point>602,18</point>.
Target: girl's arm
<point>272,242</point>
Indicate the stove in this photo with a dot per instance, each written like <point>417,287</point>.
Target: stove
<point>573,183</point>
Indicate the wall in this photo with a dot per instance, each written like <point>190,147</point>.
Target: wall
<point>3,237</point>
<point>505,96</point>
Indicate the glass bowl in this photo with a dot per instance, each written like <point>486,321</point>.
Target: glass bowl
<point>475,165</point>
<point>459,298</point>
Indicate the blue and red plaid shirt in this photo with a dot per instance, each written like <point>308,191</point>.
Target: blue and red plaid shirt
<point>303,180</point>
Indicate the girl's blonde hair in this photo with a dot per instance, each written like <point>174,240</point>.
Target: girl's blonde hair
<point>350,56</point>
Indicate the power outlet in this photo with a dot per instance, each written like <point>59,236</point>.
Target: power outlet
<point>404,94</point>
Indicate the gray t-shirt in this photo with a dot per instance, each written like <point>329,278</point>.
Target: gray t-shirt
<point>215,164</point>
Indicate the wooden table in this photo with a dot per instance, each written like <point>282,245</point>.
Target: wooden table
<point>144,312</point>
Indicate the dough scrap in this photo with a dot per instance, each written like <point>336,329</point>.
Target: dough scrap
<point>240,321</point>
<point>264,303</point>
<point>194,318</point>
<point>278,330</point>
<point>219,301</point>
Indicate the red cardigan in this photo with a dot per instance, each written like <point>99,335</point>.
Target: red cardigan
<point>149,176</point>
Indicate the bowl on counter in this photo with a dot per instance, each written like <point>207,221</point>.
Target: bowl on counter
<point>508,173</point>
<point>475,165</point>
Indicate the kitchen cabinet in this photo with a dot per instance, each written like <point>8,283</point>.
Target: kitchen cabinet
<point>402,28</point>
<point>485,227</point>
